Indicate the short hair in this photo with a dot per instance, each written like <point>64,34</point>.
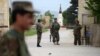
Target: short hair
<point>39,20</point>
<point>20,11</point>
<point>55,18</point>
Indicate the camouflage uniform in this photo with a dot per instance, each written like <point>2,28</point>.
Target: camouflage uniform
<point>55,32</point>
<point>12,43</point>
<point>39,33</point>
<point>77,34</point>
<point>51,33</point>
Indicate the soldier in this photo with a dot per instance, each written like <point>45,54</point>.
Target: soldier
<point>39,32</point>
<point>51,32</point>
<point>12,42</point>
<point>55,31</point>
<point>77,33</point>
<point>87,36</point>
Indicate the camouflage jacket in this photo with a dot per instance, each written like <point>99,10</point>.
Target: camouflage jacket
<point>12,43</point>
<point>77,29</point>
<point>39,27</point>
<point>53,27</point>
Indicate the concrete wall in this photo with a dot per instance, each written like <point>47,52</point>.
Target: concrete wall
<point>4,14</point>
<point>84,16</point>
<point>95,35</point>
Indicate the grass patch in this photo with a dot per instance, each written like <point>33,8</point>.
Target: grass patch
<point>32,31</point>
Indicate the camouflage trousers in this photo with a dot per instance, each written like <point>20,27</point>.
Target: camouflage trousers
<point>56,37</point>
<point>77,39</point>
<point>39,38</point>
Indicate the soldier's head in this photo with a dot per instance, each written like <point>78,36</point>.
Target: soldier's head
<point>23,17</point>
<point>39,20</point>
<point>55,19</point>
<point>76,22</point>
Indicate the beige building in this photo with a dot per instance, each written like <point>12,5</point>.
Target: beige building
<point>4,15</point>
<point>47,21</point>
<point>84,16</point>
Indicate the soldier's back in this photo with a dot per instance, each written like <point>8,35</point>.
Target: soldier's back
<point>39,27</point>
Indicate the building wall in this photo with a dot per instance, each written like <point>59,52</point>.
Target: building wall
<point>84,16</point>
<point>4,15</point>
<point>47,21</point>
<point>60,19</point>
<point>95,35</point>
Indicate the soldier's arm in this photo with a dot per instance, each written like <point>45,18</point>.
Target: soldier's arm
<point>59,26</point>
<point>36,26</point>
<point>10,45</point>
<point>52,27</point>
<point>80,27</point>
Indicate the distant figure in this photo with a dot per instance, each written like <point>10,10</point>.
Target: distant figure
<point>39,32</point>
<point>12,42</point>
<point>77,33</point>
<point>51,33</point>
<point>87,38</point>
<point>55,31</point>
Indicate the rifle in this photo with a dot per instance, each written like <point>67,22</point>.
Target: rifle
<point>50,37</point>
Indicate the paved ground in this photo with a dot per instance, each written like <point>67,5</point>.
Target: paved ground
<point>66,47</point>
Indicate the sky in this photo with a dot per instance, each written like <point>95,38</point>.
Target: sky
<point>51,5</point>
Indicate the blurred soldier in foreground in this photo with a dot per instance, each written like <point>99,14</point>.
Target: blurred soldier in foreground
<point>12,42</point>
<point>39,32</point>
<point>55,31</point>
<point>77,33</point>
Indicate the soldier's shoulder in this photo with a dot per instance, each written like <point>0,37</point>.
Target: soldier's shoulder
<point>5,37</point>
<point>9,34</point>
<point>80,25</point>
<point>53,23</point>
<point>37,23</point>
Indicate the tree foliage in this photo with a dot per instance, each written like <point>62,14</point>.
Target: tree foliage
<point>71,13</point>
<point>94,7</point>
<point>48,13</point>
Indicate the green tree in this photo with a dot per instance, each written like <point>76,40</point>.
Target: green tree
<point>94,7</point>
<point>48,13</point>
<point>71,13</point>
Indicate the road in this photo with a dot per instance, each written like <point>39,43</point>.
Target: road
<point>66,47</point>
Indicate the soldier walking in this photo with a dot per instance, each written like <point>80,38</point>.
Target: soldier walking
<point>39,32</point>
<point>77,33</point>
<point>55,31</point>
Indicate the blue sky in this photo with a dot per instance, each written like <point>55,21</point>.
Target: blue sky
<point>52,5</point>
